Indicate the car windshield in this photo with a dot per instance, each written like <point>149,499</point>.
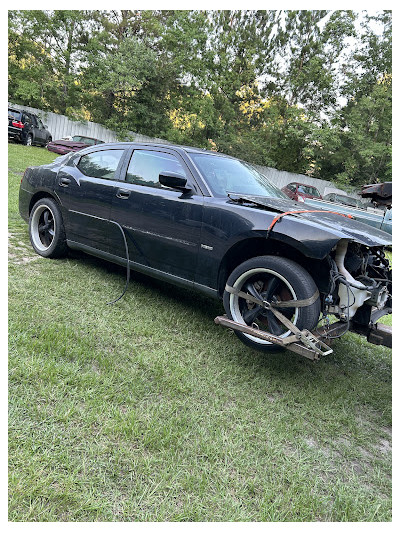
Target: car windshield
<point>307,189</point>
<point>80,139</point>
<point>224,175</point>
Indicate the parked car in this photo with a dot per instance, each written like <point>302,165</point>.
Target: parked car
<point>381,219</point>
<point>27,128</point>
<point>300,191</point>
<point>210,222</point>
<point>76,143</point>
<point>344,199</point>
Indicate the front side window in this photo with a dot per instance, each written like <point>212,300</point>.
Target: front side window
<point>102,164</point>
<point>146,165</point>
<point>224,175</point>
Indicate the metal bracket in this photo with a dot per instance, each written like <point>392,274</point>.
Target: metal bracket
<point>304,343</point>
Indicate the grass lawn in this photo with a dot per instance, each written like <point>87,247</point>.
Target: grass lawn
<point>147,411</point>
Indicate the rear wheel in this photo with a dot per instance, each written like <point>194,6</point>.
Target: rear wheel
<point>46,229</point>
<point>270,278</point>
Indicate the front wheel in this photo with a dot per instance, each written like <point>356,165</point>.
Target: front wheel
<point>272,279</point>
<point>46,229</point>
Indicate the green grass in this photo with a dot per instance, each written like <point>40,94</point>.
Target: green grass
<point>147,411</point>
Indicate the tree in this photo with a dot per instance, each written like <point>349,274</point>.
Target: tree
<point>361,132</point>
<point>44,57</point>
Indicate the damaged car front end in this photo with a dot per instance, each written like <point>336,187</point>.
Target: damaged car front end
<point>351,272</point>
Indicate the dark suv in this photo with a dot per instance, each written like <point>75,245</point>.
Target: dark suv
<point>212,223</point>
<point>27,128</point>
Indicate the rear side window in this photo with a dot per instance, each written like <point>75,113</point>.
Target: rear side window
<point>102,164</point>
<point>146,165</point>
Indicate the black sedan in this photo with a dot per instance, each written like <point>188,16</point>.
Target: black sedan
<point>212,223</point>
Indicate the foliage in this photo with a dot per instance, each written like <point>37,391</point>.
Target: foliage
<point>307,91</point>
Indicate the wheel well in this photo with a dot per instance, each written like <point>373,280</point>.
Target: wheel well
<point>249,248</point>
<point>38,196</point>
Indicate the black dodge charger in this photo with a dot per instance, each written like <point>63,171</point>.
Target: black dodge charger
<point>213,223</point>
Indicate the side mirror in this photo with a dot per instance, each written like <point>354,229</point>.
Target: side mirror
<point>45,126</point>
<point>173,180</point>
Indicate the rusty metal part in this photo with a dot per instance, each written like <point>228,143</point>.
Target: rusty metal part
<point>377,334</point>
<point>316,344</point>
<point>303,343</point>
<point>380,193</point>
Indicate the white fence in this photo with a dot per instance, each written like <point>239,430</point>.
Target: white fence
<point>61,126</point>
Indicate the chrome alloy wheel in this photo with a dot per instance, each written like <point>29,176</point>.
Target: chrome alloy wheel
<point>264,284</point>
<point>43,227</point>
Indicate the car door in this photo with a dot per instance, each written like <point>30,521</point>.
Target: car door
<point>34,128</point>
<point>162,225</point>
<point>41,132</point>
<point>86,187</point>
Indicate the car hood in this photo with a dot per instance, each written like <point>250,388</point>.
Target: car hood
<point>337,224</point>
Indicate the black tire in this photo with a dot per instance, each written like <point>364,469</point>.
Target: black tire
<point>28,141</point>
<point>266,277</point>
<point>46,229</point>
<point>47,142</point>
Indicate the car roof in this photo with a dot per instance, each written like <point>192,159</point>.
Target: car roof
<point>305,184</point>
<point>188,149</point>
<point>22,111</point>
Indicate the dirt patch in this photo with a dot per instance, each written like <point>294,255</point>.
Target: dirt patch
<point>384,446</point>
<point>19,252</point>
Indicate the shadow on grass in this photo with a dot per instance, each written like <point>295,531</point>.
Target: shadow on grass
<point>351,356</point>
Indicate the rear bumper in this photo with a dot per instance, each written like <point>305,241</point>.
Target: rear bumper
<point>15,135</point>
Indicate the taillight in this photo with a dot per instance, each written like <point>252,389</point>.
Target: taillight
<point>17,124</point>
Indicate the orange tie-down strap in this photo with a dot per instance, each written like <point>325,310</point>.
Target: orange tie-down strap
<point>278,217</point>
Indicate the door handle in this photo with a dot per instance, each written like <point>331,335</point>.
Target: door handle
<point>64,182</point>
<point>123,194</point>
